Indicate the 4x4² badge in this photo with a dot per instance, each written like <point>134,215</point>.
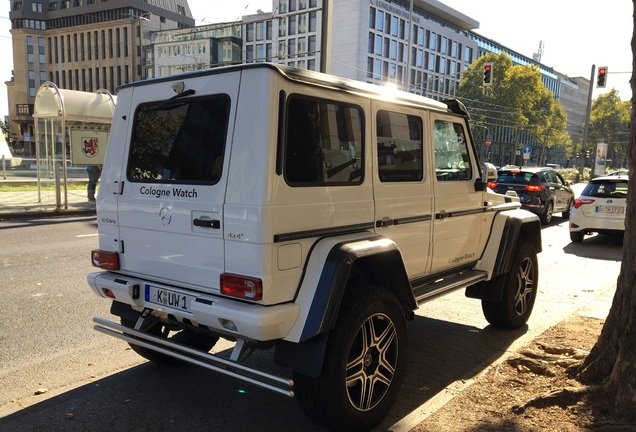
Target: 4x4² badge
<point>165,216</point>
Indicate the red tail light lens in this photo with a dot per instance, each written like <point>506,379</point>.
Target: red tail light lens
<point>105,260</point>
<point>581,201</point>
<point>242,287</point>
<point>492,185</point>
<point>534,188</point>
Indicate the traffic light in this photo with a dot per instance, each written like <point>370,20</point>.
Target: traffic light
<point>601,77</point>
<point>487,74</point>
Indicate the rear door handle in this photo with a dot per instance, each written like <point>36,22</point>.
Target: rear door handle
<point>207,223</point>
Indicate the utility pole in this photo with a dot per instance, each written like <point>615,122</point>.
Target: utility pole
<point>325,40</point>
<point>586,126</point>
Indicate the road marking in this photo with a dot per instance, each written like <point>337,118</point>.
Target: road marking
<point>87,235</point>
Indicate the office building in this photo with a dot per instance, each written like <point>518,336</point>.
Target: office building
<point>80,45</point>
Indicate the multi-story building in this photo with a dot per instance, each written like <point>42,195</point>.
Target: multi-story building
<point>572,93</point>
<point>80,45</point>
<point>370,42</point>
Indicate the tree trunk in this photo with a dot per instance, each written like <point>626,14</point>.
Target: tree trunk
<point>613,358</point>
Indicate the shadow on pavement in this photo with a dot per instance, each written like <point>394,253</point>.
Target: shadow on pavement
<point>187,398</point>
<point>600,246</point>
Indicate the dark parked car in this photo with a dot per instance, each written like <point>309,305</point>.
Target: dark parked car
<point>541,190</point>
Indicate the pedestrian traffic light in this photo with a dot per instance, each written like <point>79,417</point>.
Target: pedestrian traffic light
<point>601,77</point>
<point>487,74</point>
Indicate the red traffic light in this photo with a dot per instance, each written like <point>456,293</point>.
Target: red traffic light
<point>601,77</point>
<point>487,79</point>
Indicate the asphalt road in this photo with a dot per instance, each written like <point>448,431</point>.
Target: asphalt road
<point>93,382</point>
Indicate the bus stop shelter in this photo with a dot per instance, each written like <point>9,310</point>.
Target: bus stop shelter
<point>71,129</point>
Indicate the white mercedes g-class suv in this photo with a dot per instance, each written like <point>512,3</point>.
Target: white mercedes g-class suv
<point>305,213</point>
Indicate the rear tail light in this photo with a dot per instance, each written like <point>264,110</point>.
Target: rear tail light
<point>242,287</point>
<point>581,201</point>
<point>535,188</point>
<point>492,185</point>
<point>105,260</point>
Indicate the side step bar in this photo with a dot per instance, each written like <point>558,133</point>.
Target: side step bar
<point>280,385</point>
<point>449,283</point>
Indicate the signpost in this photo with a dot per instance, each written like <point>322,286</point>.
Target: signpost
<point>526,152</point>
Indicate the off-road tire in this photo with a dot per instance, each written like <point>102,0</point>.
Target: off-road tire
<point>368,345</point>
<point>189,338</point>
<point>519,293</point>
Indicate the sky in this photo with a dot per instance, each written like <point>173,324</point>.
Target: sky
<point>575,35</point>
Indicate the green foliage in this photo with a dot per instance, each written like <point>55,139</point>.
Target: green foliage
<point>517,99</point>
<point>573,174</point>
<point>609,122</point>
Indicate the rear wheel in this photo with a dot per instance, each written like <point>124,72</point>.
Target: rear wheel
<point>566,213</point>
<point>519,294</point>
<point>364,363</point>
<point>576,236</point>
<point>546,217</point>
<point>189,338</point>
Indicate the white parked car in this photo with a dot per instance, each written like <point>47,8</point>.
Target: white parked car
<point>600,208</point>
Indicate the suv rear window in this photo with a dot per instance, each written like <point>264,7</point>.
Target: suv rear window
<point>514,177</point>
<point>179,141</point>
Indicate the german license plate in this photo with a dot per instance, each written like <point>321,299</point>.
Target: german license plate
<point>610,209</point>
<point>168,298</point>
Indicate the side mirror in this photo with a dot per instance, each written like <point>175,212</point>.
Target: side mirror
<point>488,174</point>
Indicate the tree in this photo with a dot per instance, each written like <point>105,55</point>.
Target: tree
<point>610,367</point>
<point>517,100</point>
<point>609,123</point>
<point>612,361</point>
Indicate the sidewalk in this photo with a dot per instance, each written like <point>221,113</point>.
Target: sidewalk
<point>28,204</point>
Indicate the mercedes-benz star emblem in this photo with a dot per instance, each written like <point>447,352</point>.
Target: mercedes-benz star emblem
<point>165,216</point>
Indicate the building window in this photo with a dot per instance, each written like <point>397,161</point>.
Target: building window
<point>249,32</point>
<point>282,26</point>
<point>29,41</point>
<point>372,18</point>
<point>23,109</point>
<point>260,31</point>
<point>302,23</point>
<point>379,20</point>
<point>75,47</point>
<point>31,83</point>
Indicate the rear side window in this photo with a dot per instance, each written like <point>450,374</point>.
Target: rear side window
<point>323,143</point>
<point>399,147</point>
<point>179,141</point>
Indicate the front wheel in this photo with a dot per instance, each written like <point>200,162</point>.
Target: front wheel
<point>189,338</point>
<point>364,365</point>
<point>519,293</point>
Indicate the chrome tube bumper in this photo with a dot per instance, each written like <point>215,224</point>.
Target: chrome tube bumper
<point>280,385</point>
